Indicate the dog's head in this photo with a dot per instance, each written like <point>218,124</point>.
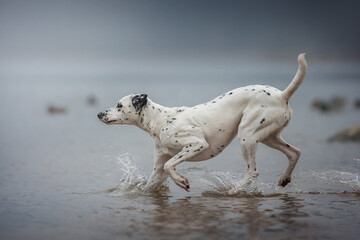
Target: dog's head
<point>126,111</point>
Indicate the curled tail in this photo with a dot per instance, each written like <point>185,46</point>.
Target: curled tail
<point>298,79</point>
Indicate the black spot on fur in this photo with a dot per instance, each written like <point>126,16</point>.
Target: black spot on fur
<point>266,92</point>
<point>263,120</point>
<point>288,145</point>
<point>211,155</point>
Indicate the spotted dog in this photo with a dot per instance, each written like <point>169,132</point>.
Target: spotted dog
<point>254,113</point>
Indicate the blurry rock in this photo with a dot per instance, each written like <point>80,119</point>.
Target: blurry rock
<point>91,100</point>
<point>335,104</point>
<point>357,103</point>
<point>56,110</point>
<point>348,134</point>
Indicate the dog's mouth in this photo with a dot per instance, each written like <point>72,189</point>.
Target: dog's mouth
<point>111,121</point>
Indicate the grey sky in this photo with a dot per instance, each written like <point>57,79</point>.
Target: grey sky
<point>112,30</point>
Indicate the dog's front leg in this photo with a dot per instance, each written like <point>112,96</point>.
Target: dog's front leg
<point>189,151</point>
<point>158,176</point>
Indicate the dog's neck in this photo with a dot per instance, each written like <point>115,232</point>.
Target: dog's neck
<point>151,115</point>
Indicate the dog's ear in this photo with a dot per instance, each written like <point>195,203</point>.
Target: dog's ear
<point>139,101</point>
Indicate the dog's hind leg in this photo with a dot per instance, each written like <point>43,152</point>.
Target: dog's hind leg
<point>248,147</point>
<point>189,151</point>
<point>292,153</point>
<point>158,176</point>
<point>248,143</point>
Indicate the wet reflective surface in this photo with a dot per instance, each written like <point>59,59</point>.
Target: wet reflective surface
<point>69,176</point>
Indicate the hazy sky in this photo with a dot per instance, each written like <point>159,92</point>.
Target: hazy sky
<point>118,30</point>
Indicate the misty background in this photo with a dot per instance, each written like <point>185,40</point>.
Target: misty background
<point>112,37</point>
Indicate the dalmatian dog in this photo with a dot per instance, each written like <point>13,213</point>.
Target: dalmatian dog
<point>255,114</point>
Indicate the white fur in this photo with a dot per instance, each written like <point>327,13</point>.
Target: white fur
<point>253,113</point>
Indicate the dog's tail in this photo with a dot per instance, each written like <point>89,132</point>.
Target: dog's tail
<point>298,79</point>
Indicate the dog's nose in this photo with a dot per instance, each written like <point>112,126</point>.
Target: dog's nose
<point>101,115</point>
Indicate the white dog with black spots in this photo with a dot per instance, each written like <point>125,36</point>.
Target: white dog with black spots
<point>255,114</point>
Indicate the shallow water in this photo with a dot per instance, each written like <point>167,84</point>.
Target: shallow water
<point>68,176</point>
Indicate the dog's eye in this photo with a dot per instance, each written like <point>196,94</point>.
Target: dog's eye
<point>119,105</point>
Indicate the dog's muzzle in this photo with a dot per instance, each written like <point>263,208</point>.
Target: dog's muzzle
<point>101,115</point>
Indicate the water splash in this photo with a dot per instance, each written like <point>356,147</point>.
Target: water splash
<point>133,179</point>
<point>219,183</point>
<point>211,182</point>
<point>332,178</point>
<point>349,179</point>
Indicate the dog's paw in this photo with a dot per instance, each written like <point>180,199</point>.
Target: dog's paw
<point>284,181</point>
<point>183,183</point>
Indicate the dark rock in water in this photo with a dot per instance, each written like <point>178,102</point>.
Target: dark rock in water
<point>335,104</point>
<point>91,100</point>
<point>349,134</point>
<point>357,104</point>
<point>56,110</point>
